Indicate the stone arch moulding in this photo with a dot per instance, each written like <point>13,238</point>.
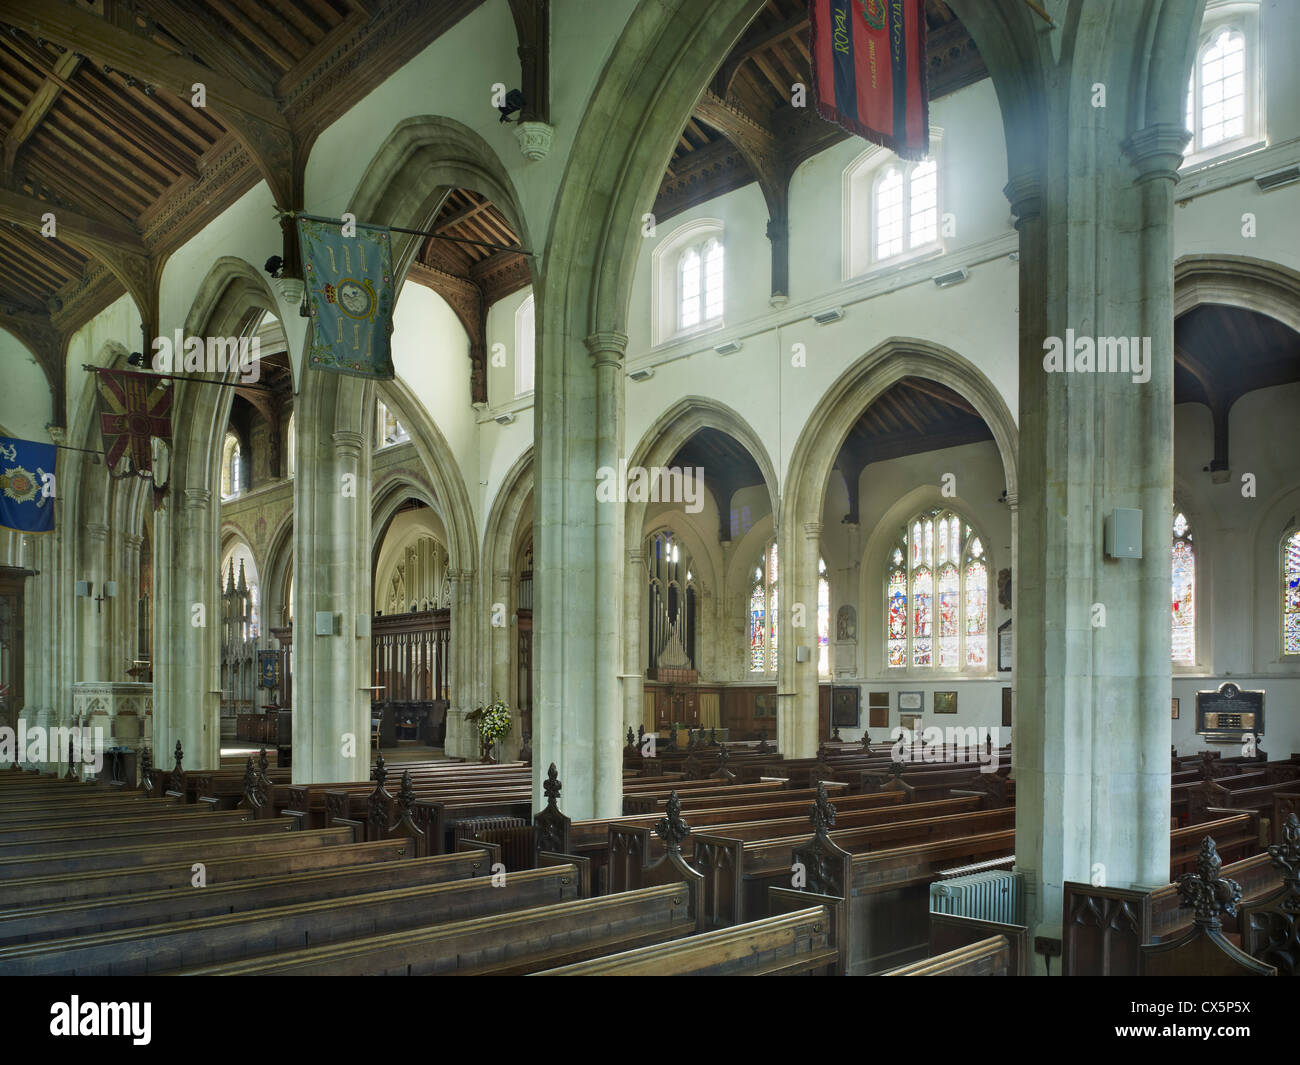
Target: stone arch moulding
<point>672,429</point>
<point>423,158</point>
<point>1238,281</point>
<point>279,572</point>
<point>844,401</point>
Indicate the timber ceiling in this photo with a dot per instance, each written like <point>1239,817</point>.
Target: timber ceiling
<point>97,125</point>
<point>746,114</point>
<point>728,467</point>
<point>1221,353</point>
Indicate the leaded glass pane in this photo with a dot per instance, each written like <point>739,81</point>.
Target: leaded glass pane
<point>977,614</point>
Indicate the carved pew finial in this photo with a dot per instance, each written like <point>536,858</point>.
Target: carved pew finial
<point>1286,855</point>
<point>631,737</point>
<point>822,812</point>
<point>640,736</point>
<point>551,788</point>
<point>250,785</point>
<point>404,802</point>
<point>671,828</point>
<point>180,754</point>
<point>262,762</point>
<point>723,756</point>
<point>1208,893</point>
<point>146,769</point>
<point>380,772</point>
<point>896,769</point>
<point>177,781</point>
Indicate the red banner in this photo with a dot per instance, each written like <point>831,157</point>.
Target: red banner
<point>135,407</point>
<point>868,62</point>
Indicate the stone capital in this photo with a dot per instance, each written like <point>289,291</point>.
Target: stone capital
<point>502,576</point>
<point>812,530</point>
<point>606,348</point>
<point>197,498</point>
<point>97,532</point>
<point>1025,194</point>
<point>1157,151</point>
<point>133,542</point>
<point>348,443</point>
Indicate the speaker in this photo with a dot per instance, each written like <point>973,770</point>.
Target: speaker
<point>1124,533</point>
<point>801,654</point>
<point>327,624</point>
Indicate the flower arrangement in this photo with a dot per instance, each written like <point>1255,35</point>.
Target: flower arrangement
<point>493,723</point>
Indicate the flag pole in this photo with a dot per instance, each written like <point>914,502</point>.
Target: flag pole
<point>414,233</point>
<point>1037,10</point>
<point>173,377</point>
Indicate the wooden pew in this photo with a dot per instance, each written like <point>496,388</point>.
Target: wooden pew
<point>186,944</point>
<point>988,957</point>
<point>506,944</point>
<point>85,916</point>
<point>107,841</point>
<point>1270,924</point>
<point>800,943</point>
<point>951,932</point>
<point>246,842</point>
<point>30,891</point>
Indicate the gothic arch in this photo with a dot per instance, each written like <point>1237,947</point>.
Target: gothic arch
<point>1238,281</point>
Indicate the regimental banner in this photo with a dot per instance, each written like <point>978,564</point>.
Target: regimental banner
<point>26,485</point>
<point>133,408</point>
<point>868,62</point>
<point>349,283</point>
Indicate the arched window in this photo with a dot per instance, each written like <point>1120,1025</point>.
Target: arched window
<point>388,430</point>
<point>1183,610</point>
<point>230,467</point>
<point>699,284</point>
<point>762,613</point>
<point>1224,98</point>
<point>291,443</point>
<point>936,596</point>
<point>905,205</point>
<point>525,346</point>
<point>1291,593</point>
<point>823,619</point>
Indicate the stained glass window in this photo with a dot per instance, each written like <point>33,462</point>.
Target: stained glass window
<point>763,613</point>
<point>1291,594</point>
<point>936,596</point>
<point>757,624</point>
<point>1183,609</point>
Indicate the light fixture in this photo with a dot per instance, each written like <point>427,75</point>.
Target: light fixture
<point>85,590</point>
<point>1287,176</point>
<point>951,277</point>
<point>514,102</point>
<point>641,375</point>
<point>727,347</point>
<point>830,314</point>
<point>504,418</point>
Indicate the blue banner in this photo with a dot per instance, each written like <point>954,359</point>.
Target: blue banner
<point>349,283</point>
<point>26,485</point>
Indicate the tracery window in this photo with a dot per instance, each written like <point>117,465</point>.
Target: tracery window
<point>762,618</point>
<point>230,467</point>
<point>1183,609</point>
<point>1291,593</point>
<point>1224,109</point>
<point>936,595</point>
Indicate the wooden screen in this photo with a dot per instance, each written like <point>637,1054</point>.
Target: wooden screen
<point>409,655</point>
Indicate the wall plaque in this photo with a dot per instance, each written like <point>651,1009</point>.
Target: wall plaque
<point>1227,715</point>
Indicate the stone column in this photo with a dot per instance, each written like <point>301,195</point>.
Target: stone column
<point>464,679</point>
<point>634,591</point>
<point>797,681</point>
<point>128,587</point>
<point>96,624</point>
<point>331,711</point>
<point>187,623</point>
<point>1093,639</point>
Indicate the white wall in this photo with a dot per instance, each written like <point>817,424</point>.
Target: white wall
<point>26,406</point>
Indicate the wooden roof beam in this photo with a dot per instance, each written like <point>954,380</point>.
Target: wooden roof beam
<point>198,31</point>
<point>34,113</point>
<point>255,118</point>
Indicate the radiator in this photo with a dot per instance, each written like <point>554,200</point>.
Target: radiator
<point>989,896</point>
<point>518,845</point>
<point>470,827</point>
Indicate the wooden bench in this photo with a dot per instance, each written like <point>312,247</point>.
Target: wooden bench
<point>186,944</point>
<point>988,957</point>
<point>800,943</point>
<point>506,944</point>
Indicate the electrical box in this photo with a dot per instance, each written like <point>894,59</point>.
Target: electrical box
<point>1124,533</point>
<point>327,624</point>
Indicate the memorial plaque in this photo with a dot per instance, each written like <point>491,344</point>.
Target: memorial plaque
<point>845,707</point>
<point>1229,714</point>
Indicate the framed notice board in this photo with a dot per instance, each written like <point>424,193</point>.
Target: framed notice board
<point>1227,715</point>
<point>845,707</point>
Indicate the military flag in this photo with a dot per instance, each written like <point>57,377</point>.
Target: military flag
<point>26,485</point>
<point>868,62</point>
<point>349,283</point>
<point>134,407</point>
